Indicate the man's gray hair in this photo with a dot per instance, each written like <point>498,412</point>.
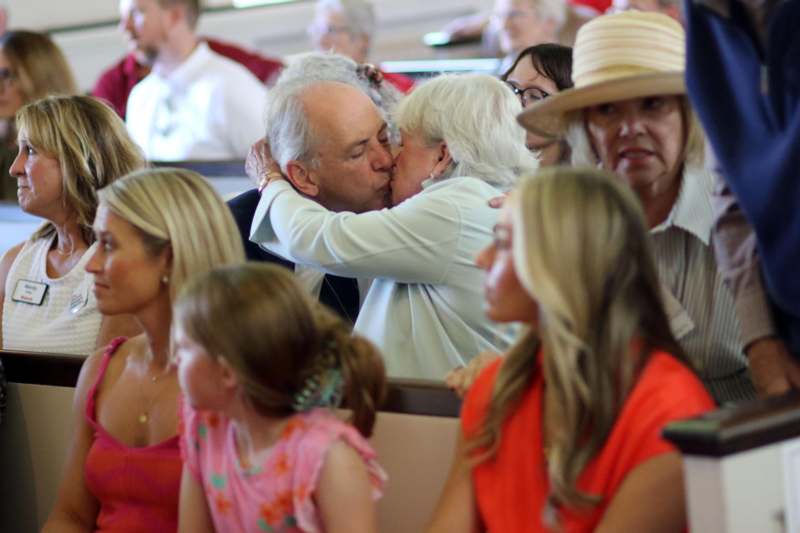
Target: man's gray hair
<point>289,134</point>
<point>475,115</point>
<point>358,14</point>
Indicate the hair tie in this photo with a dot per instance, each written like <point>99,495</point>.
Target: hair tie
<point>371,73</point>
<point>325,386</point>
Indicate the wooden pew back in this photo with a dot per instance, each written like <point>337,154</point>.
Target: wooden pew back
<point>414,436</point>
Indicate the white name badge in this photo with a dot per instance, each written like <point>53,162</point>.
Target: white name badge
<point>29,292</point>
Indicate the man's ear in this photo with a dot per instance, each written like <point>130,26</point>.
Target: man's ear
<point>302,178</point>
<point>445,160</point>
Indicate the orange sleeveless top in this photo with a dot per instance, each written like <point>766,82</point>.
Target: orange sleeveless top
<point>512,489</point>
<point>137,488</point>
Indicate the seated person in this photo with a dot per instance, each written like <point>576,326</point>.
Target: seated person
<point>347,27</point>
<point>461,146</point>
<point>123,468</point>
<point>194,104</point>
<point>69,147</point>
<point>115,84</point>
<point>564,433</point>
<point>340,294</point>
<point>523,23</point>
<point>31,67</point>
<point>630,116</point>
<point>540,71</point>
<point>259,360</point>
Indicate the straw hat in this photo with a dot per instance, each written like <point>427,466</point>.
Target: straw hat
<point>616,57</point>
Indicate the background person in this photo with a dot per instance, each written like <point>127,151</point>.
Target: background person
<point>260,360</point>
<point>538,72</point>
<point>523,23</point>
<point>564,433</point>
<point>31,67</point>
<point>347,27</point>
<point>123,467</point>
<point>140,31</point>
<point>195,104</point>
<point>69,148</point>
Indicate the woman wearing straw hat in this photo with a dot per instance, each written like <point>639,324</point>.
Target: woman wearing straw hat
<point>628,114</point>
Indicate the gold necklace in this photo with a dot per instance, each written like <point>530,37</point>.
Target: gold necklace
<point>144,414</point>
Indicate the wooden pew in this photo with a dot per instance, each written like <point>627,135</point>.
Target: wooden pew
<point>414,436</point>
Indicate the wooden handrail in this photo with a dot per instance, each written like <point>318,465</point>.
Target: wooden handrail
<point>738,428</point>
<point>411,397</point>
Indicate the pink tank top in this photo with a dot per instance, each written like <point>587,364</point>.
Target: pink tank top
<point>137,488</point>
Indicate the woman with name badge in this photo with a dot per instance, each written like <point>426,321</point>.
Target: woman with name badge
<point>69,147</point>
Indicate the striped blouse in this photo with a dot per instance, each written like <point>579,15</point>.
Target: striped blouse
<point>700,308</point>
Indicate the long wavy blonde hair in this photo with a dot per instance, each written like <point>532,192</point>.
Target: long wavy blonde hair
<point>581,249</point>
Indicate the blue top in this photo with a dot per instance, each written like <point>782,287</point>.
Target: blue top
<point>749,103</point>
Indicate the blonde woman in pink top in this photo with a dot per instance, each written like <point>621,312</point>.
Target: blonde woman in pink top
<point>260,364</point>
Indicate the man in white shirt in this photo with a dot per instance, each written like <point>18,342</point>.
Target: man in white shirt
<point>195,104</point>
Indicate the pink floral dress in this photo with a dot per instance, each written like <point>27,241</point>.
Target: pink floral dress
<point>274,496</point>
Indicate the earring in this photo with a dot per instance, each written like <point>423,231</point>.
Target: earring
<point>165,279</point>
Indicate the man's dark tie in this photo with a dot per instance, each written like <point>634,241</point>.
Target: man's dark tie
<point>341,295</point>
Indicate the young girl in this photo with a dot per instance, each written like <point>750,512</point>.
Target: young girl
<point>257,361</point>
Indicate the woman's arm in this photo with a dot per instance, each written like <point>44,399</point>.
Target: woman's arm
<point>193,513</point>
<point>650,499</point>
<point>344,493</point>
<point>457,511</point>
<point>414,242</point>
<point>5,268</point>
<point>76,508</point>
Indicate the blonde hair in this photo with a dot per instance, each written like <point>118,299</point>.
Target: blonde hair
<point>583,153</point>
<point>581,249</point>
<point>92,147</point>
<point>258,318</point>
<point>177,208</point>
<point>475,115</point>
<point>38,64</point>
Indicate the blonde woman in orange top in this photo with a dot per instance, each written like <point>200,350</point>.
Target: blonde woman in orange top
<point>564,432</point>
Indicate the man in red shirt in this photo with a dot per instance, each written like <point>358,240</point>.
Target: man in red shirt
<point>115,84</point>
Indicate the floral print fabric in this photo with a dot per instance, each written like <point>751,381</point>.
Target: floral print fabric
<point>275,495</point>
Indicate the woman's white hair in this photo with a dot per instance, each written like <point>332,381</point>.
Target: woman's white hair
<point>287,129</point>
<point>583,153</point>
<point>358,14</point>
<point>475,116</point>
